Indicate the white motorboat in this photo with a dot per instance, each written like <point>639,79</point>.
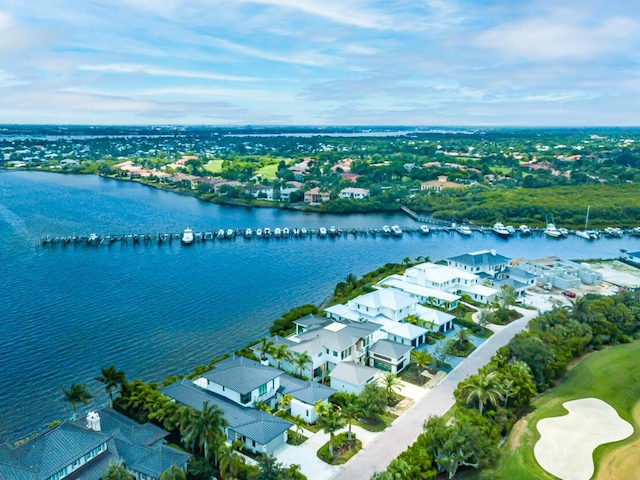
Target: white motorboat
<point>247,233</point>
<point>525,231</point>
<point>613,232</point>
<point>510,229</point>
<point>333,231</point>
<point>551,231</point>
<point>500,230</point>
<point>277,232</point>
<point>187,237</point>
<point>396,231</point>
<point>259,232</point>
<point>322,232</point>
<point>635,232</point>
<point>220,234</point>
<point>230,233</point>
<point>267,232</point>
<point>424,230</point>
<point>296,232</point>
<point>286,232</point>
<point>386,230</point>
<point>463,230</point>
<point>303,231</point>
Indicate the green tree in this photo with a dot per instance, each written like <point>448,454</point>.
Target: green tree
<point>391,385</point>
<point>284,401</point>
<point>482,388</point>
<point>77,393</point>
<point>229,462</point>
<point>330,423</point>
<point>506,297</point>
<point>281,353</point>
<point>484,317</point>
<point>351,411</point>
<point>300,361</point>
<point>174,473</point>
<point>116,471</point>
<point>112,378</point>
<point>373,400</point>
<point>205,432</point>
<point>266,348</point>
<point>422,359</point>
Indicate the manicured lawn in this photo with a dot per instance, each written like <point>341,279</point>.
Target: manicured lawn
<point>214,166</point>
<point>383,422</point>
<point>268,171</point>
<point>611,375</point>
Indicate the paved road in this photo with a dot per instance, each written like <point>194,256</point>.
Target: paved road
<point>404,431</point>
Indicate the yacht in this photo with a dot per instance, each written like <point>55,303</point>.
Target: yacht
<point>187,237</point>
<point>552,231</point>
<point>510,229</point>
<point>303,231</point>
<point>613,232</point>
<point>247,233</point>
<point>333,231</point>
<point>396,231</point>
<point>267,232</point>
<point>259,233</point>
<point>286,232</point>
<point>500,230</point>
<point>220,234</point>
<point>525,231</point>
<point>277,232</point>
<point>296,232</point>
<point>230,233</point>
<point>635,232</point>
<point>463,230</point>
<point>563,232</point>
<point>386,230</point>
<point>583,234</point>
<point>322,232</point>
<point>94,238</point>
<point>424,230</point>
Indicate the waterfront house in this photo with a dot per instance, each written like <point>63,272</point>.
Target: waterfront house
<point>84,449</point>
<point>354,192</point>
<point>488,262</point>
<point>315,196</point>
<point>425,295</point>
<point>258,431</point>
<point>439,184</point>
<point>242,380</point>
<point>260,191</point>
<point>285,193</point>
<point>351,377</point>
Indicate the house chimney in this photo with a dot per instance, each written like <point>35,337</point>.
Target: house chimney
<point>494,253</point>
<point>93,421</point>
<point>264,361</point>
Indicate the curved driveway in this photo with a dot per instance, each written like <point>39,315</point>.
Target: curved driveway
<point>403,432</point>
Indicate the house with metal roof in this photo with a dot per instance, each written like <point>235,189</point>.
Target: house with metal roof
<point>351,377</point>
<point>84,449</point>
<point>304,393</point>
<point>258,431</point>
<point>390,356</point>
<point>425,295</point>
<point>242,380</point>
<point>485,261</point>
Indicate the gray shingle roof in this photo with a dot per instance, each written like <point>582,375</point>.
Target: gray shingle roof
<point>312,321</point>
<point>306,391</point>
<point>390,349</point>
<point>241,374</point>
<point>259,426</point>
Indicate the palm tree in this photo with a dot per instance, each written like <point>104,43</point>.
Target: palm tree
<point>330,423</point>
<point>206,430</point>
<point>284,401</point>
<point>580,310</point>
<point>111,378</point>
<point>321,408</point>
<point>507,296</point>
<point>78,393</point>
<point>299,422</point>
<point>485,388</point>
<point>422,359</point>
<point>300,361</point>
<point>390,383</point>
<point>229,461</point>
<point>280,353</point>
<point>484,317</point>
<point>174,473</point>
<point>262,406</point>
<point>116,471</point>
<point>266,347</point>
<point>351,411</point>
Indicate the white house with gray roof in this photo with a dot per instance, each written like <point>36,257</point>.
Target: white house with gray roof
<point>84,449</point>
<point>351,377</point>
<point>304,393</point>
<point>489,262</point>
<point>242,381</point>
<point>258,431</point>
<point>390,356</point>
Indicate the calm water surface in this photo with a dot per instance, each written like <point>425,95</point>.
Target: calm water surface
<point>157,310</point>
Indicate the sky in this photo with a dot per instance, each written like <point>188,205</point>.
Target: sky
<point>320,62</point>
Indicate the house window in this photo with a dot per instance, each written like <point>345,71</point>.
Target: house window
<point>245,398</point>
<point>335,354</point>
<point>262,389</point>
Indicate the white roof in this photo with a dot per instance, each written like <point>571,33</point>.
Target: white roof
<point>407,331</point>
<point>401,283</point>
<point>343,311</point>
<point>432,315</point>
<point>440,273</point>
<point>335,327</point>
<point>479,290</point>
<point>355,190</point>
<point>385,297</point>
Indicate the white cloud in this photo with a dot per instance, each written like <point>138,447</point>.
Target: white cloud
<point>161,72</point>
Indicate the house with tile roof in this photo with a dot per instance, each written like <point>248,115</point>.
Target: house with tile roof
<point>242,380</point>
<point>84,449</point>
<point>389,356</point>
<point>489,262</point>
<point>304,393</point>
<point>351,377</point>
<point>258,431</point>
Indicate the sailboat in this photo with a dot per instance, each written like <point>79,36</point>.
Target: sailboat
<point>586,234</point>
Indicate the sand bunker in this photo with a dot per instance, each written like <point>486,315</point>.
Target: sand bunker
<point>566,444</point>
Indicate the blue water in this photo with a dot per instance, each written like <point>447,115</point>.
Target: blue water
<point>154,310</point>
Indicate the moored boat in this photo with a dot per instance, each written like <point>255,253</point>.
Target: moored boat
<point>220,234</point>
<point>322,232</point>
<point>187,237</point>
<point>333,231</point>
<point>551,231</point>
<point>635,232</point>
<point>613,232</point>
<point>286,232</point>
<point>277,233</point>
<point>259,233</point>
<point>424,230</point>
<point>303,231</point>
<point>266,232</point>
<point>386,230</point>
<point>396,231</point>
<point>500,230</point>
<point>524,230</point>
<point>248,233</point>
<point>230,233</point>
<point>463,230</point>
